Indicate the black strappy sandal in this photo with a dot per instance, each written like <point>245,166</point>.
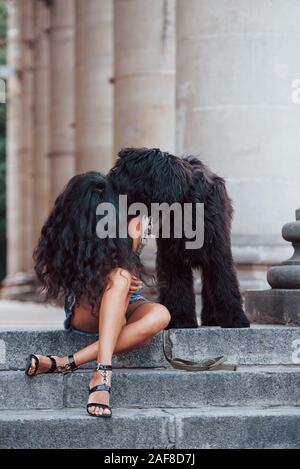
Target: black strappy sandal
<point>68,368</point>
<point>101,387</point>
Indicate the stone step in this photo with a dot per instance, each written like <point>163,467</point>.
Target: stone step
<point>257,345</point>
<point>254,346</point>
<point>266,386</point>
<point>168,428</point>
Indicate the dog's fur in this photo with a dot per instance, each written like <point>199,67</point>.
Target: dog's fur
<point>150,175</point>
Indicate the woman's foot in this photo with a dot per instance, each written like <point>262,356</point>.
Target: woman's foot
<point>100,397</point>
<point>39,364</point>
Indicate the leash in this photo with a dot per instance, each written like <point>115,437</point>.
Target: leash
<point>207,364</point>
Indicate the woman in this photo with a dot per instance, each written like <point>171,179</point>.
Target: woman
<point>100,279</point>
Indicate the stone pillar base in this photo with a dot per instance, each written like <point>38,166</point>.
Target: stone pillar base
<point>22,286</point>
<point>276,306</point>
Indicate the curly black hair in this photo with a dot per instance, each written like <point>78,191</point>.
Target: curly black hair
<point>70,258</point>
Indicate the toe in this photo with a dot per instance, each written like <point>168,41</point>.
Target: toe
<point>106,411</point>
<point>98,411</point>
<point>32,367</point>
<point>91,410</point>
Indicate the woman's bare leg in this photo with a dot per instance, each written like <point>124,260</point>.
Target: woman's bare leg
<point>146,321</point>
<point>115,337</point>
<point>113,307</point>
<point>110,325</point>
<point>143,325</point>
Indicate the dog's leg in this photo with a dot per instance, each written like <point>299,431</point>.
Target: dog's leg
<point>176,286</point>
<point>226,296</point>
<point>217,263</point>
<point>208,307</point>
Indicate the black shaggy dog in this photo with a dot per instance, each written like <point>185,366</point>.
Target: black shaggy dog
<point>150,175</point>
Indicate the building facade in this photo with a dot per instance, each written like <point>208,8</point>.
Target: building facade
<point>212,78</point>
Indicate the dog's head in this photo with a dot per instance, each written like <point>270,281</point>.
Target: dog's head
<point>151,175</point>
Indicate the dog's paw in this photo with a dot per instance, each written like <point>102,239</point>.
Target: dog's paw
<point>240,321</point>
<point>209,322</point>
<point>182,323</point>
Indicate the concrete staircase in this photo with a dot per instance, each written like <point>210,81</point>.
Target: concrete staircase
<point>155,406</point>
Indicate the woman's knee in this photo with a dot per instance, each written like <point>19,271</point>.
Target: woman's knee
<point>120,280</point>
<point>158,318</point>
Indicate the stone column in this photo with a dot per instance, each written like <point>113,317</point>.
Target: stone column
<point>144,76</point>
<point>62,94</point>
<point>41,117</point>
<point>236,61</point>
<point>27,119</point>
<point>19,149</point>
<point>144,110</point>
<point>94,92</point>
<point>20,136</point>
<point>15,247</point>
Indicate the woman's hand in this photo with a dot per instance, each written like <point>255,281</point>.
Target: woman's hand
<point>136,284</point>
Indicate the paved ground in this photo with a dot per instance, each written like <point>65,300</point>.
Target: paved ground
<point>16,315</point>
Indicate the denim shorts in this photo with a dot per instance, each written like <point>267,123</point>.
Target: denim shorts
<point>69,304</point>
